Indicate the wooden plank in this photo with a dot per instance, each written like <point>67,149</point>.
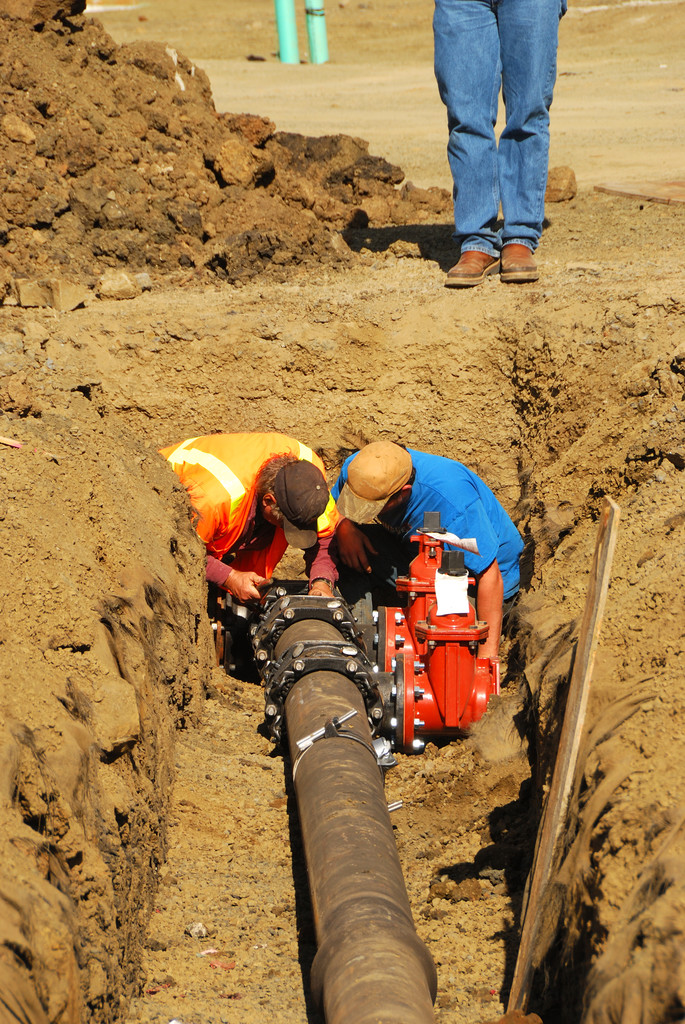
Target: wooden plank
<point>554,814</point>
<point>652,191</point>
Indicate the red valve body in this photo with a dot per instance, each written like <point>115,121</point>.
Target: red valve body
<point>442,686</point>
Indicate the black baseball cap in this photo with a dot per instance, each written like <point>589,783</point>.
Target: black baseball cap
<point>301,494</point>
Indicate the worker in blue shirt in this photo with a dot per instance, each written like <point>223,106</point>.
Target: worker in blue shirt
<point>383,491</point>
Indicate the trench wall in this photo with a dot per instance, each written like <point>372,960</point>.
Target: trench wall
<point>601,413</point>
<point>103,656</point>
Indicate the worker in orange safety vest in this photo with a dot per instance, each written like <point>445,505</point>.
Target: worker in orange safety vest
<point>254,494</point>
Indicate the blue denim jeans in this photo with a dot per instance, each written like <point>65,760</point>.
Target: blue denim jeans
<point>480,45</point>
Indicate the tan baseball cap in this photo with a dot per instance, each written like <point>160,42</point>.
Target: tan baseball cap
<point>375,473</point>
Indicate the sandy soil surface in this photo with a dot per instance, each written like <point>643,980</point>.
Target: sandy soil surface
<point>140,796</point>
<point>620,80</point>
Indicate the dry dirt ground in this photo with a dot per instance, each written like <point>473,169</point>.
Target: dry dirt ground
<point>277,283</point>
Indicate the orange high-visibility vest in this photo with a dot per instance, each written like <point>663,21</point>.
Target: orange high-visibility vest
<point>220,473</point>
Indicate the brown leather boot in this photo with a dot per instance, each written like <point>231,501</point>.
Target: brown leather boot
<point>518,265</point>
<point>473,267</point>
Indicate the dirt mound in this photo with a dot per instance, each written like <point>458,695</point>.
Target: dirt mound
<point>114,156</point>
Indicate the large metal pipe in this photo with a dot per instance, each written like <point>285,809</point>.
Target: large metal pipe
<point>370,967</point>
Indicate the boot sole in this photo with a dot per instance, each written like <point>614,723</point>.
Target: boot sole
<point>518,276</point>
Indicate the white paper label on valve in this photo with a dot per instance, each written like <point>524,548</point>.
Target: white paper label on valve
<point>452,594</point>
<point>466,543</point>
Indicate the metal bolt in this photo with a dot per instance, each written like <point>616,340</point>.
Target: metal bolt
<point>374,616</point>
<point>399,618</point>
<point>298,665</point>
<point>418,746</point>
<point>376,638</point>
<point>289,613</point>
<point>393,723</point>
<point>419,666</point>
<point>418,724</point>
<point>262,655</point>
<point>393,664</point>
<point>350,650</point>
<point>297,650</point>
<point>338,616</point>
<point>352,667</point>
<point>377,714</point>
<point>399,639</point>
<point>281,592</point>
<point>271,710</point>
<point>418,692</point>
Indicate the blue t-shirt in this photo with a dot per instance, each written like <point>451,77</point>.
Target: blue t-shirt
<point>467,507</point>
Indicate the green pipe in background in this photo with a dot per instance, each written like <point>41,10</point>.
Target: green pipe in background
<point>287,32</point>
<point>316,31</point>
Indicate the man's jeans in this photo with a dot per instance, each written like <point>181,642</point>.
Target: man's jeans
<point>480,44</point>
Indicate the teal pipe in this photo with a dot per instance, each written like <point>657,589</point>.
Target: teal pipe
<point>316,31</point>
<point>286,25</point>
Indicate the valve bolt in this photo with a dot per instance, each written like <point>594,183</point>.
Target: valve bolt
<point>298,665</point>
<point>289,613</point>
<point>352,667</point>
<point>337,616</point>
<point>262,655</point>
<point>271,710</point>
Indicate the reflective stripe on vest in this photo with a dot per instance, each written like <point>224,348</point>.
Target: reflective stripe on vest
<point>226,477</point>
<point>323,523</point>
<point>306,454</point>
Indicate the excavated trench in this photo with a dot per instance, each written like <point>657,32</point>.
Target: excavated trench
<point>114,694</point>
<point>140,797</point>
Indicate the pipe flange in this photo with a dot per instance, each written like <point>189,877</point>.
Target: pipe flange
<point>308,656</point>
<point>285,610</point>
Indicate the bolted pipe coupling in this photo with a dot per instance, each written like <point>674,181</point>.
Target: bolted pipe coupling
<point>298,634</point>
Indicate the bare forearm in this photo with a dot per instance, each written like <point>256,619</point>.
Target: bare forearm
<point>489,608</point>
